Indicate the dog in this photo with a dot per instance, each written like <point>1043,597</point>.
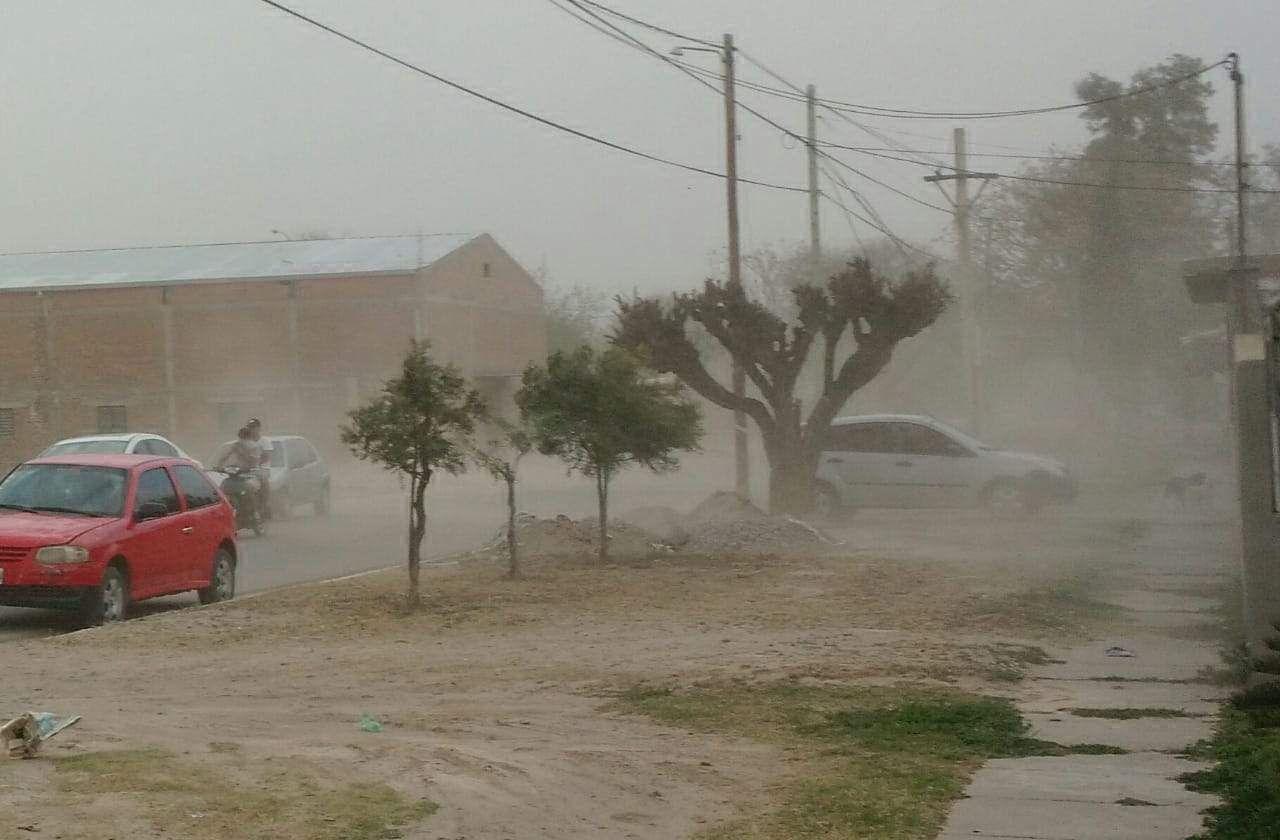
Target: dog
<point>1177,488</point>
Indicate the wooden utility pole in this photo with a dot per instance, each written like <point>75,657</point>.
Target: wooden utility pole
<point>741,456</point>
<point>961,206</point>
<point>815,230</point>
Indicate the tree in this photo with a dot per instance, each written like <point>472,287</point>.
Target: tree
<point>598,412</point>
<point>414,427</point>
<point>1109,250</point>
<point>859,314</point>
<point>500,457</point>
<point>575,316</point>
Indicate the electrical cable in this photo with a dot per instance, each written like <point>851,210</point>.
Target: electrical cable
<point>1081,158</point>
<point>647,25</point>
<point>1088,184</point>
<point>514,109</point>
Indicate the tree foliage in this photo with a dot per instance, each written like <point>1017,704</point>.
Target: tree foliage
<point>599,412</point>
<point>854,323</point>
<point>575,316</point>
<point>415,427</point>
<point>1109,252</point>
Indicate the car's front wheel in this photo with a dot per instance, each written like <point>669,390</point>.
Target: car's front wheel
<point>108,602</point>
<point>1009,499</point>
<point>222,580</point>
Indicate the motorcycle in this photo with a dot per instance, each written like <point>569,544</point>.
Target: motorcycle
<point>245,497</point>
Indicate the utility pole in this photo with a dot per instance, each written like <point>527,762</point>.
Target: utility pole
<point>1242,181</point>
<point>815,231</point>
<point>961,205</point>
<point>741,456</point>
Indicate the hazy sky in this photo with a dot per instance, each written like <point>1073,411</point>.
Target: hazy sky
<point>133,122</point>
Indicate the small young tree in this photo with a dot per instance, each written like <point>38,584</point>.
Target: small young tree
<point>500,457</point>
<point>599,412</point>
<point>413,427</point>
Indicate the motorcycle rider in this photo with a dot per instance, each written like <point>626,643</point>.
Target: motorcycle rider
<point>263,468</point>
<point>246,455</point>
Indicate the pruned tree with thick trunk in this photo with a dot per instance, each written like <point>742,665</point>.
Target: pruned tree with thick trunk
<point>854,323</point>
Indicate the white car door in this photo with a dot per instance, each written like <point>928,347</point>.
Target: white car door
<point>867,458</point>
<point>940,471</point>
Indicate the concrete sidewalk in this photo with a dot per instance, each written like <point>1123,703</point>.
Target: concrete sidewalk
<point>1154,663</point>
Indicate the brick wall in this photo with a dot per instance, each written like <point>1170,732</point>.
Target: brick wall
<point>298,355</point>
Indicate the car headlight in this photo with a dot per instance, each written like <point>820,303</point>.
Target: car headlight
<point>57,555</point>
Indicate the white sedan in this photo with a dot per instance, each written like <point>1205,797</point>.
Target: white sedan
<point>118,444</point>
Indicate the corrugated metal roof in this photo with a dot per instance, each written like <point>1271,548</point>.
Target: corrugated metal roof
<point>228,261</point>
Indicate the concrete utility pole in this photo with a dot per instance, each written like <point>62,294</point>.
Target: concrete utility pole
<point>815,230</point>
<point>1242,181</point>
<point>962,206</point>
<point>741,456</point>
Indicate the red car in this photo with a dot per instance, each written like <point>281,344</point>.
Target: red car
<point>95,533</point>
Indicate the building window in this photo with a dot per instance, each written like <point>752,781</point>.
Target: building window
<point>7,420</point>
<point>112,419</point>
<point>486,270</point>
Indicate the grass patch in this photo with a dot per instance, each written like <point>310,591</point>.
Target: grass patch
<point>1129,714</point>
<point>1246,748</point>
<point>191,798</point>
<point>877,762</point>
<point>1066,607</point>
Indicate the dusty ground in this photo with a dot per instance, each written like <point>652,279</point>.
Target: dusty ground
<point>493,696</point>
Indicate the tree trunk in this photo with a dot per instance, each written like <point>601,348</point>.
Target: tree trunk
<point>513,570</point>
<point>417,531</point>
<point>791,488</point>
<point>602,490</point>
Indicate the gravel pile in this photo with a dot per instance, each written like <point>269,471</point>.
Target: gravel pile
<point>565,537</point>
<point>762,534</point>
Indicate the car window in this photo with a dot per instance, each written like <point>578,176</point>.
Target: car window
<point>163,447</point>
<point>144,448</point>
<point>299,452</point>
<point>921,440</point>
<point>196,489</point>
<point>92,491</point>
<point>155,486</point>
<point>864,437</point>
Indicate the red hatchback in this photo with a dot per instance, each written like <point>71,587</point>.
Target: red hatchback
<point>95,533</point>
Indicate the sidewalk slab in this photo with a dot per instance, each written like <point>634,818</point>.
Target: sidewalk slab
<point>1136,735</point>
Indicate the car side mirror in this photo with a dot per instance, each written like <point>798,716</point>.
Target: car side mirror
<point>151,510</point>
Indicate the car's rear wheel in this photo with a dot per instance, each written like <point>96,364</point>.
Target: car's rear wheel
<point>222,581</point>
<point>108,602</point>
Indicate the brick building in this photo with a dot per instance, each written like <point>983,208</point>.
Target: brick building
<point>188,341</point>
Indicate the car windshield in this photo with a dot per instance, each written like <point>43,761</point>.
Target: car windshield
<point>87,447</point>
<point>64,488</point>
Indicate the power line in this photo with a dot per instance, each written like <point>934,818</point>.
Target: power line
<point>1066,183</point>
<point>768,120</point>
<point>647,25</point>
<point>512,108</point>
<point>1081,158</point>
<point>865,110</point>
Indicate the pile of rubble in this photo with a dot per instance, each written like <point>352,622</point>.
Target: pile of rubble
<point>723,523</point>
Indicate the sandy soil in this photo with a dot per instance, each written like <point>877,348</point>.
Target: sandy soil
<point>492,697</point>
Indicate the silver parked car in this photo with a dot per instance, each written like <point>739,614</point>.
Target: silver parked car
<point>911,461</point>
<point>298,475</point>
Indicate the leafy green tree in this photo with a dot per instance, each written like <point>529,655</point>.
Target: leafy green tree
<point>598,411</point>
<point>853,323</point>
<point>415,427</point>
<point>500,457</point>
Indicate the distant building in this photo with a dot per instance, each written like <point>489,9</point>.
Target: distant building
<point>189,341</point>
